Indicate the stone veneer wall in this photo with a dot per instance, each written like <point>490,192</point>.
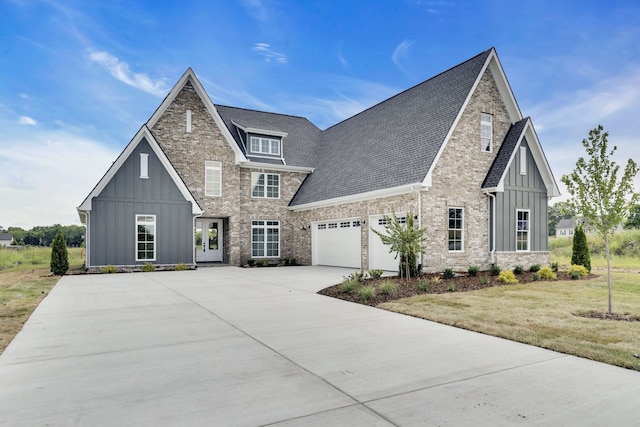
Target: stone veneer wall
<point>508,260</point>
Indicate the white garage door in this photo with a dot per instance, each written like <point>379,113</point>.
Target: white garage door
<point>337,243</point>
<point>379,256</point>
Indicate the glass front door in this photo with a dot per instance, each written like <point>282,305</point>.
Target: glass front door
<point>208,240</point>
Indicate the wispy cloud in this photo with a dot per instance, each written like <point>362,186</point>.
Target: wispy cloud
<point>269,55</point>
<point>256,9</point>
<point>400,56</point>
<point>26,120</point>
<point>120,71</point>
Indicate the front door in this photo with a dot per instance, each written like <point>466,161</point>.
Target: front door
<point>208,240</point>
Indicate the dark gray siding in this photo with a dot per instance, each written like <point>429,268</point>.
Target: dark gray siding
<point>113,215</point>
<point>526,192</point>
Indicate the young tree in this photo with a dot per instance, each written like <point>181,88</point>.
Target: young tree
<point>406,241</point>
<point>633,221</point>
<point>580,255</point>
<point>59,255</point>
<point>597,192</point>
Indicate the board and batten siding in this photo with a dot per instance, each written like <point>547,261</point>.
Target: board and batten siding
<point>522,192</point>
<point>114,210</point>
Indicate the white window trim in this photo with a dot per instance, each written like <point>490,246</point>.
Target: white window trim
<point>144,165</point>
<point>212,167</point>
<point>263,224</point>
<point>270,145</point>
<point>528,230</point>
<point>490,124</point>
<point>255,176</point>
<point>523,160</point>
<point>155,235</point>
<point>462,236</point>
<point>188,129</point>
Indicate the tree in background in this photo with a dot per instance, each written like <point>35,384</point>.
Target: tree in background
<point>59,255</point>
<point>580,255</point>
<point>559,211</point>
<point>406,241</point>
<point>598,194</point>
<point>633,221</point>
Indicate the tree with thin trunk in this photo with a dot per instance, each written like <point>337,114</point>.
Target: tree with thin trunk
<point>405,240</point>
<point>598,193</point>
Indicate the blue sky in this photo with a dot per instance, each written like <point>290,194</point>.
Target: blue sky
<point>79,78</point>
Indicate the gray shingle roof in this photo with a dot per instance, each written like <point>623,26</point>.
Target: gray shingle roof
<point>6,236</point>
<point>566,223</point>
<point>501,162</point>
<point>299,147</point>
<point>392,143</point>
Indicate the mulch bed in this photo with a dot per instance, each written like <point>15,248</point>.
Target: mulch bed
<point>607,316</point>
<point>407,288</point>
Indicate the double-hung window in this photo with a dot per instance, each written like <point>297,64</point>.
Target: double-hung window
<point>212,178</point>
<point>145,237</point>
<point>522,230</point>
<point>265,239</point>
<point>262,145</point>
<point>265,185</point>
<point>486,132</point>
<point>456,229</point>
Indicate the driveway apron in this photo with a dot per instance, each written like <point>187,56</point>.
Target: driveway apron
<point>251,347</point>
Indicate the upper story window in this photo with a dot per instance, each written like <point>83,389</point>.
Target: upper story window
<point>265,185</point>
<point>212,178</point>
<point>486,132</point>
<point>262,145</point>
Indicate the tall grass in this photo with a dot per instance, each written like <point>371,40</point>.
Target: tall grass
<point>624,247</point>
<point>32,257</point>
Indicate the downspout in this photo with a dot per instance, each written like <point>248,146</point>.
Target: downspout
<point>492,198</point>
<point>418,190</point>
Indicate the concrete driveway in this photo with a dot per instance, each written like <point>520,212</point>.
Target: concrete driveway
<point>251,347</point>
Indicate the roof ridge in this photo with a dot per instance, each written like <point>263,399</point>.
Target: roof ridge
<point>410,88</point>
<point>261,111</point>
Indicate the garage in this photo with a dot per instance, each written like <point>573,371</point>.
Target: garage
<point>337,243</point>
<point>379,256</point>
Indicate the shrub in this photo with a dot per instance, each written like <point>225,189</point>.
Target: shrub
<point>388,288</point>
<point>108,269</point>
<point>422,285</point>
<point>367,293</point>
<point>507,276</point>
<point>580,269</point>
<point>180,266</point>
<point>495,270</point>
<point>448,273</point>
<point>262,263</point>
<point>435,280</point>
<point>534,268</point>
<point>375,274</point>
<point>554,267</point>
<point>148,267</point>
<point>357,276</point>
<point>580,255</point>
<point>293,261</point>
<point>473,270</point>
<point>451,287</point>
<point>518,269</point>
<point>485,281</point>
<point>575,275</point>
<point>547,273</point>
<point>348,286</point>
<point>59,255</point>
<point>536,277</point>
<point>251,262</point>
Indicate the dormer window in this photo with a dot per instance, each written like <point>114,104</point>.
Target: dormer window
<point>263,145</point>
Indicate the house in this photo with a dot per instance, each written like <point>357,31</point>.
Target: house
<point>6,239</point>
<point>566,227</point>
<point>203,183</point>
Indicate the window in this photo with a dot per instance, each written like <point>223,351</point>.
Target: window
<point>145,237</point>
<point>456,231</point>
<point>486,132</point>
<point>265,239</point>
<point>213,178</point>
<point>265,185</point>
<point>144,165</point>
<point>265,146</point>
<point>188,121</point>
<point>522,230</point>
<point>523,160</point>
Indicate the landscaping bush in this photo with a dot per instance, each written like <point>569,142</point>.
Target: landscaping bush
<point>580,254</point>
<point>473,270</point>
<point>448,273</point>
<point>435,280</point>
<point>59,255</point>
<point>536,277</point>
<point>108,269</point>
<point>495,270</point>
<point>348,286</point>
<point>389,288</point>
<point>357,276</point>
<point>518,269</point>
<point>451,287</point>
<point>180,266</point>
<point>554,267</point>
<point>547,273</point>
<point>367,293</point>
<point>534,268</point>
<point>485,281</point>
<point>148,267</point>
<point>575,275</point>
<point>580,269</point>
<point>507,276</point>
<point>251,262</point>
<point>422,285</point>
<point>375,274</point>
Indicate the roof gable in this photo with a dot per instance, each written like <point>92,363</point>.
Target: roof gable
<point>190,77</point>
<point>143,134</point>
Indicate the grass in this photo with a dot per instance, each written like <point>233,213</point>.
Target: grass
<point>544,314</point>
<point>25,280</point>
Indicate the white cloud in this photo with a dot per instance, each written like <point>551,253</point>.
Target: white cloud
<point>24,96</point>
<point>26,120</point>
<point>256,9</point>
<point>269,55</point>
<point>400,56</point>
<point>120,71</point>
<point>46,175</point>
